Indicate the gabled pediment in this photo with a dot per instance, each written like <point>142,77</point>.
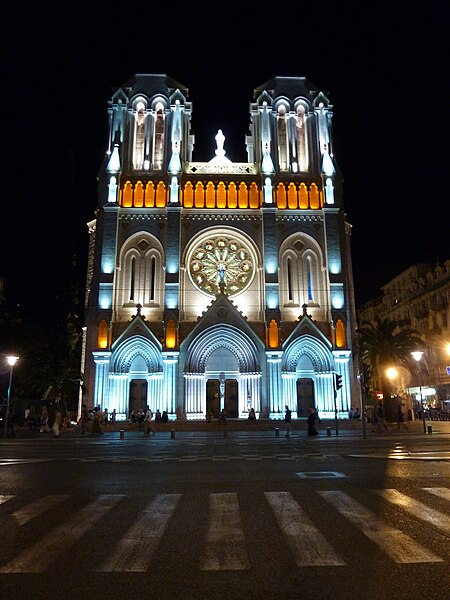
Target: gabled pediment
<point>137,327</point>
<point>222,310</point>
<point>306,326</point>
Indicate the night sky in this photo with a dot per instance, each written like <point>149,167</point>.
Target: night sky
<point>385,69</point>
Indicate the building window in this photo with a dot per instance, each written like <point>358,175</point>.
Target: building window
<point>139,136</point>
<point>282,139</point>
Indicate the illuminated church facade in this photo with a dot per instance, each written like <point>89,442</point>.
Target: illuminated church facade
<point>218,284</point>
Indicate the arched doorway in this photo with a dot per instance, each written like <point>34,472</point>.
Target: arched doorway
<point>305,396</point>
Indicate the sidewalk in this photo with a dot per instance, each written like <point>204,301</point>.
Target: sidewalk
<point>327,428</point>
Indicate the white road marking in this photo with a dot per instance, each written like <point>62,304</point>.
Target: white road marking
<point>399,546</point>
<point>42,554</point>
<point>441,492</point>
<point>309,546</point>
<point>225,545</point>
<point>421,511</point>
<point>134,551</point>
<point>36,508</point>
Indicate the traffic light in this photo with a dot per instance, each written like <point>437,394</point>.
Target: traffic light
<point>338,381</point>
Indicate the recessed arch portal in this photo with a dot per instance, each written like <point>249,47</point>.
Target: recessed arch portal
<point>222,354</point>
<point>227,337</point>
<point>126,355</point>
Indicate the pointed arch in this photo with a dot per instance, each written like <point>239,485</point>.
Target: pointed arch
<point>227,337</point>
<point>136,346</point>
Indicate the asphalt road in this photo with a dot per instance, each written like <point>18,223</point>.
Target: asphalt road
<point>246,515</point>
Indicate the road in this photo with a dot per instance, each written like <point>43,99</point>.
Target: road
<point>246,515</point>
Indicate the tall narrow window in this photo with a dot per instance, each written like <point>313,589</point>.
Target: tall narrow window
<point>300,127</point>
<point>132,278</point>
<point>139,136</point>
<point>289,280</point>
<point>158,139</point>
<point>282,139</point>
<point>309,279</point>
<point>152,278</point>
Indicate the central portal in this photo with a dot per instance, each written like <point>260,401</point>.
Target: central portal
<point>230,398</point>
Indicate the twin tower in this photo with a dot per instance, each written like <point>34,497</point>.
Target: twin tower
<point>218,284</point>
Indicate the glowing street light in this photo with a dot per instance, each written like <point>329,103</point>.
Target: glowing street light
<point>11,360</point>
<point>417,355</point>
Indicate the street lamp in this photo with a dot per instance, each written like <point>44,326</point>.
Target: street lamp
<point>11,360</point>
<point>417,355</point>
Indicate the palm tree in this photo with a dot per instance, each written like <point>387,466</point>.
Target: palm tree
<point>382,344</point>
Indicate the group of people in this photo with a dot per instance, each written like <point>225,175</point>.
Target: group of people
<point>313,417</point>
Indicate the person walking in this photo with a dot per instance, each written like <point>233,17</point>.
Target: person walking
<point>311,422</point>
<point>44,420</point>
<point>401,418</point>
<point>84,419</point>
<point>381,421</point>
<point>57,423</point>
<point>148,421</point>
<point>287,420</point>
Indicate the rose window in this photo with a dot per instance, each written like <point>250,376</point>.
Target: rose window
<point>221,261</point>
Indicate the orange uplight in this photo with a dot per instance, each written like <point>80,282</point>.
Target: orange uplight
<point>171,334</point>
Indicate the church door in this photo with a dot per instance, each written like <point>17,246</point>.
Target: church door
<point>138,395</point>
<point>305,396</point>
<point>213,396</point>
<point>231,398</point>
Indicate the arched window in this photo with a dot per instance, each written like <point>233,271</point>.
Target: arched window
<point>302,278</point>
<point>300,132</point>
<point>103,335</point>
<point>341,341</point>
<point>282,139</point>
<point>273,334</point>
<point>139,136</point>
<point>158,138</point>
<point>171,334</point>
<point>140,280</point>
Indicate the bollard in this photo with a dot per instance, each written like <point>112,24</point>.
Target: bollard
<point>277,432</point>
<point>430,429</point>
<point>122,434</point>
<point>172,433</point>
<point>328,431</point>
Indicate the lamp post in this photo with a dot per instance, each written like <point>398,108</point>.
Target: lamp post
<point>417,355</point>
<point>11,360</point>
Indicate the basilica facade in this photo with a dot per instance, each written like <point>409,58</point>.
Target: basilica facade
<point>219,285</point>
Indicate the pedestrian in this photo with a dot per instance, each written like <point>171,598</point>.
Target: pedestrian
<point>288,419</point>
<point>44,420</point>
<point>158,416</point>
<point>84,419</point>
<point>311,421</point>
<point>316,414</point>
<point>57,423</point>
<point>164,417</point>
<point>223,416</point>
<point>148,421</point>
<point>252,414</point>
<point>113,416</point>
<point>97,424</point>
<point>400,418</point>
<point>381,421</point>
<point>10,421</point>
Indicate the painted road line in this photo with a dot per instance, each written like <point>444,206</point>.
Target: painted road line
<point>399,546</point>
<point>417,509</point>
<point>441,492</point>
<point>225,545</point>
<point>41,555</point>
<point>4,498</point>
<point>134,552</point>
<point>309,546</point>
<point>30,511</point>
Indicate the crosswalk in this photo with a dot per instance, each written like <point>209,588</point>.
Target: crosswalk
<point>225,544</point>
